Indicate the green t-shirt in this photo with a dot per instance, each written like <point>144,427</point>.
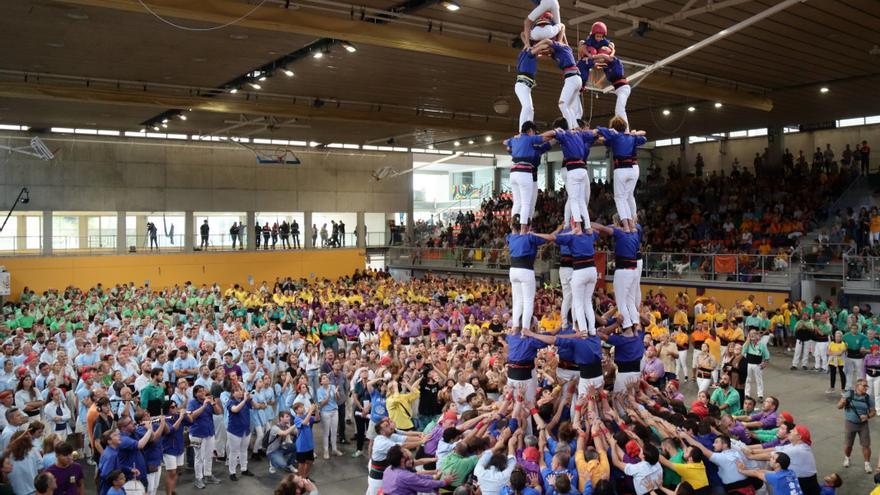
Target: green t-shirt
<point>670,477</point>
<point>151,392</point>
<point>854,342</point>
<point>461,467</point>
<point>729,397</point>
<point>26,322</point>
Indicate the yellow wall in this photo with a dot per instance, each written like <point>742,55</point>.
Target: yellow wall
<point>166,270</point>
<point>727,297</point>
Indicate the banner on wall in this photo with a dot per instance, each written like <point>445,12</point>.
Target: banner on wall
<point>465,191</point>
<point>725,263</point>
<point>5,284</point>
<point>601,266</point>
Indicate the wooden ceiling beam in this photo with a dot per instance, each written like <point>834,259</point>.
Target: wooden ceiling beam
<point>150,99</point>
<point>396,37</point>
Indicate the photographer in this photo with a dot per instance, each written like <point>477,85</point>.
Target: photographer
<point>858,408</point>
<point>152,233</point>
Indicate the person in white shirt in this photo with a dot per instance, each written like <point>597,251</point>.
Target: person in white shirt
<point>646,474</point>
<point>143,379</point>
<point>494,468</point>
<point>57,414</point>
<point>461,390</point>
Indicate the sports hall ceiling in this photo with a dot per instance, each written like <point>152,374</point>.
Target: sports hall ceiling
<point>109,64</point>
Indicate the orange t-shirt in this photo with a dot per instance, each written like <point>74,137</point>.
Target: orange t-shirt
<point>91,417</point>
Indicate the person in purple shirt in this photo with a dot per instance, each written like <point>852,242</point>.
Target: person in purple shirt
<point>764,420</point>
<point>400,477</point>
<point>438,326</point>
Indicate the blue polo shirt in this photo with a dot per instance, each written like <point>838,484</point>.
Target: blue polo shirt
<point>304,441</point>
<point>239,423</point>
<point>203,426</point>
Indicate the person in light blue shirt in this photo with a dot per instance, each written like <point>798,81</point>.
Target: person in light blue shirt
<point>86,359</point>
<point>260,403</point>
<point>328,402</point>
<point>185,366</point>
<point>305,443</point>
<point>780,478</point>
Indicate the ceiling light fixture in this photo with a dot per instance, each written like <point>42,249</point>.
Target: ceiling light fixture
<point>430,146</point>
<point>261,78</point>
<point>488,139</point>
<point>470,141</point>
<point>718,104</point>
<point>78,15</point>
<point>692,109</point>
<point>181,117</point>
<point>232,91</point>
<point>350,48</point>
<point>451,6</point>
<point>255,85</point>
<point>666,111</point>
<point>318,55</point>
<point>824,89</point>
<point>164,121</point>
<point>164,125</point>
<point>456,144</point>
<point>155,128</point>
<point>287,72</point>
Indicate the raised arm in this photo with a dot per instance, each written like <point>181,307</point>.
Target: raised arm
<point>603,229</point>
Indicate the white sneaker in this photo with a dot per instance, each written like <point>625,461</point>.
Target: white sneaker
<point>868,468</point>
<point>846,462</point>
<point>271,469</point>
<point>326,455</point>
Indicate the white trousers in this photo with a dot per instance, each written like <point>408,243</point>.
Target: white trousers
<point>204,456</point>
<point>575,186</point>
<point>802,350</point>
<point>584,385</point>
<point>874,389</point>
<point>220,435</point>
<point>820,353</point>
<point>756,374</point>
<point>329,428</point>
<point>635,294</point>
<point>522,186</point>
<point>373,486</point>
<point>257,436</point>
<point>545,32</point>
<point>624,191</point>
<point>569,100</point>
<point>522,281</point>
<point>681,368</point>
<point>703,384</point>
<point>626,281</point>
<point>534,198</point>
<point>854,369</point>
<point>586,195</point>
<point>153,481</point>
<point>236,449</point>
<point>583,282</point>
<point>544,6</point>
<point>622,93</point>
<point>527,108</point>
<point>622,381</point>
<point>528,387</point>
<point>565,273</point>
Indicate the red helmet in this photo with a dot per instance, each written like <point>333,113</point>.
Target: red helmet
<point>599,28</point>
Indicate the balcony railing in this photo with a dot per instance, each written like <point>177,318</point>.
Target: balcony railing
<point>777,270</point>
<point>861,272</point>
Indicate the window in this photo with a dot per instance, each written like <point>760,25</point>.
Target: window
<point>873,119</point>
<point>757,132</point>
<point>851,122</point>
<point>65,232</point>
<point>34,232</point>
<point>102,232</point>
<point>737,134</point>
<point>696,139</point>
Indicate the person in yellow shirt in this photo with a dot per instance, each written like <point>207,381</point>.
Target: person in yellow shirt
<point>551,322</point>
<point>472,329</point>
<point>656,331</point>
<point>714,344</point>
<point>592,464</point>
<point>692,471</point>
<point>680,319</point>
<point>400,405</point>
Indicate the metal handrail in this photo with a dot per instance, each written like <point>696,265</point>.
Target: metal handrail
<point>861,272</point>
<point>774,269</point>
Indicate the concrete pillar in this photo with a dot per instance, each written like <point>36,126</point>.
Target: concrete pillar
<point>361,230</point>
<point>307,230</point>
<point>549,176</point>
<point>250,221</point>
<point>496,180</point>
<point>83,233</point>
<point>120,232</point>
<point>20,233</point>
<point>410,224</point>
<point>389,217</point>
<point>141,239</point>
<point>775,148</point>
<point>189,231</point>
<point>47,233</point>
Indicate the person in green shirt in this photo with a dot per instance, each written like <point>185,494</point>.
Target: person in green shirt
<point>726,397</point>
<point>459,463</point>
<point>153,394</point>
<point>671,447</point>
<point>329,334</point>
<point>855,358</point>
<point>26,320</point>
